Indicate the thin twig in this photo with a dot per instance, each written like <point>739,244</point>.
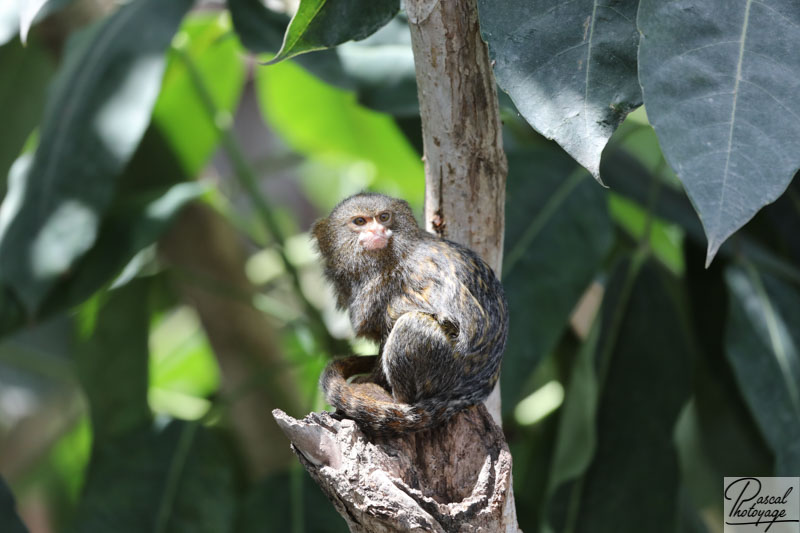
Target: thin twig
<point>249,181</point>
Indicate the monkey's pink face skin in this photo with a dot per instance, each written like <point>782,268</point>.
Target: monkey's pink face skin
<point>374,236</point>
<point>372,233</point>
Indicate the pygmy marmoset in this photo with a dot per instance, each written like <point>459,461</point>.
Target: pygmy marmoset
<point>435,307</point>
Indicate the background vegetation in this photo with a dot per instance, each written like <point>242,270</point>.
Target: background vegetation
<point>160,295</point>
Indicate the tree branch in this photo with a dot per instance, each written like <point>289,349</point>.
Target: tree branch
<point>456,477</point>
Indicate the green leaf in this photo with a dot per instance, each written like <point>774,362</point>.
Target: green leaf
<point>9,520</point>
<point>381,70</point>
<point>761,342</point>
<point>730,436</point>
<point>141,212</point>
<point>17,16</point>
<point>719,82</point>
<point>179,112</point>
<point>172,480</point>
<point>26,72</point>
<point>625,175</point>
<point>558,234</point>
<point>328,125</point>
<point>112,361</point>
<point>570,67</point>
<point>98,108</point>
<point>641,368</point>
<point>33,10</point>
<point>183,369</point>
<point>577,435</point>
<point>287,502</point>
<point>320,24</point>
<point>259,29</point>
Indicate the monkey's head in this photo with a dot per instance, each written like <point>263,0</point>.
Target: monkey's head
<point>365,230</point>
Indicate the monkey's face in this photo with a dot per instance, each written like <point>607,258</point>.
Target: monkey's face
<point>372,229</point>
<point>372,221</point>
<point>364,233</point>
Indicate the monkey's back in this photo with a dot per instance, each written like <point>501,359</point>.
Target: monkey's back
<point>460,291</point>
<point>440,315</point>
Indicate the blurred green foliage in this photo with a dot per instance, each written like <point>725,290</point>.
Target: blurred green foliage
<point>634,378</point>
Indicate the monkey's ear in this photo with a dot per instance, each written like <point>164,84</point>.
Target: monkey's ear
<point>318,227</point>
<point>320,230</point>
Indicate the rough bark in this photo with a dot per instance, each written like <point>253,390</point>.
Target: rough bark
<point>465,166</point>
<point>456,477</point>
<point>209,257</point>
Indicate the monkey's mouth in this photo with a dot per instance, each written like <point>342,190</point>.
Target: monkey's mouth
<point>374,240</point>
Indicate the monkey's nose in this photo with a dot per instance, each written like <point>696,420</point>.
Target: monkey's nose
<point>374,236</point>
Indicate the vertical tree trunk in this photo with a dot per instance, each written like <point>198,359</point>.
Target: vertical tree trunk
<point>465,166</point>
<point>456,477</point>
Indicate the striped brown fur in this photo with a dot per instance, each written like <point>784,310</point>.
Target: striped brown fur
<point>436,308</point>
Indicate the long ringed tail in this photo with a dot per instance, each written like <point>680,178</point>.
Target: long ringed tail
<point>379,416</point>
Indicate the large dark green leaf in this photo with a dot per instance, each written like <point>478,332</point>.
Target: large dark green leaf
<point>320,24</point>
<point>570,67</point>
<point>259,28</point>
<point>178,479</point>
<point>22,93</point>
<point>303,504</point>
<point>99,107</point>
<point>9,521</point>
<point>641,378</point>
<point>144,207</point>
<point>627,176</point>
<point>731,439</point>
<point>719,81</point>
<point>32,10</point>
<point>112,362</point>
<point>761,343</point>
<point>17,16</point>
<point>558,235</point>
<point>379,68</point>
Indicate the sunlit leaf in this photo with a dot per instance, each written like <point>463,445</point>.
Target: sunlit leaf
<point>98,108</point>
<point>761,342</point>
<point>328,125</point>
<point>179,112</point>
<point>570,67</point>
<point>720,85</point>
<point>320,24</point>
<point>183,370</point>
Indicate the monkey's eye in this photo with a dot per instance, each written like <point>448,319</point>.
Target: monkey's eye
<point>359,221</point>
<point>384,217</point>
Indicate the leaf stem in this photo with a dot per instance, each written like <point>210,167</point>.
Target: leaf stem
<point>249,181</point>
<point>182,450</point>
